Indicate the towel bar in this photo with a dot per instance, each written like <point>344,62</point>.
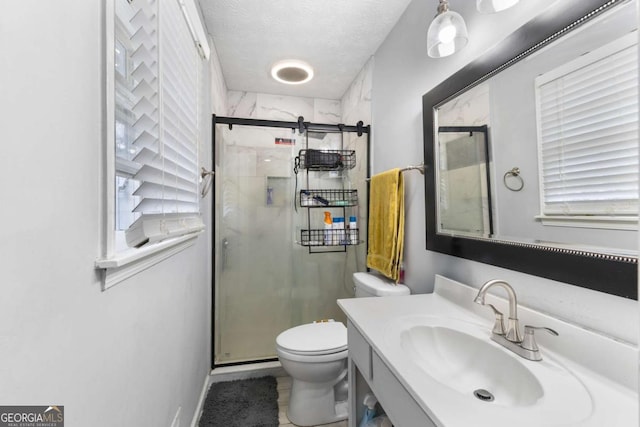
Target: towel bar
<point>421,168</point>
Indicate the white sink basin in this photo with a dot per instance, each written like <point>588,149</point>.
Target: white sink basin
<point>468,364</point>
<point>438,349</point>
<point>476,373</point>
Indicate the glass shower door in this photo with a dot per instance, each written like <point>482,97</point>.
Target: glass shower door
<point>255,234</point>
<point>265,282</point>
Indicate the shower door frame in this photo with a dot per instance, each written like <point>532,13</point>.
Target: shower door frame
<point>301,126</point>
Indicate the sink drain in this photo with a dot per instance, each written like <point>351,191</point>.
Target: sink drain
<point>483,395</point>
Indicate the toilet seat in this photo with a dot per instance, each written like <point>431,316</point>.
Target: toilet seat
<point>311,358</point>
<point>314,339</point>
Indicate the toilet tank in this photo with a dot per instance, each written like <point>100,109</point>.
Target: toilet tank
<point>374,285</point>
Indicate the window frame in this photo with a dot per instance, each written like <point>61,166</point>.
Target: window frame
<point>117,265</point>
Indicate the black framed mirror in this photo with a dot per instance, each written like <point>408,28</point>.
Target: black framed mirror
<point>609,270</point>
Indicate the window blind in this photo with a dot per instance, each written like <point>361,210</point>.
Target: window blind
<point>588,133</point>
<point>165,99</point>
<point>136,99</point>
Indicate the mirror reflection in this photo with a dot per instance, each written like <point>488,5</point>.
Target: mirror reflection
<point>464,180</point>
<point>566,119</point>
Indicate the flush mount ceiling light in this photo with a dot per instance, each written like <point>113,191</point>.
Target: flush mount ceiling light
<point>447,33</point>
<point>292,71</point>
<point>492,6</point>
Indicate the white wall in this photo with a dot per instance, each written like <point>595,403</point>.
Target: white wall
<point>129,356</point>
<point>402,74</point>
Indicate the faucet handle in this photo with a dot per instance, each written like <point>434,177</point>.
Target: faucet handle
<point>498,326</point>
<point>529,341</point>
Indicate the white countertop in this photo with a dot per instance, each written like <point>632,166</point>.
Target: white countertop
<point>607,368</point>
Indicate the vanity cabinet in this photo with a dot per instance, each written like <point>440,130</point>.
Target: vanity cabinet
<point>365,365</point>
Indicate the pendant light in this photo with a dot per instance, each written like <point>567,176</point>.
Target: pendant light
<point>492,6</point>
<point>447,32</point>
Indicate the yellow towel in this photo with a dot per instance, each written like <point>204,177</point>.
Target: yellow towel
<point>386,223</point>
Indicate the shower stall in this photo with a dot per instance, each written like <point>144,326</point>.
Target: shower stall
<point>268,276</point>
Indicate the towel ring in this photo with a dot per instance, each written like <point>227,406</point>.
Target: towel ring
<point>514,172</point>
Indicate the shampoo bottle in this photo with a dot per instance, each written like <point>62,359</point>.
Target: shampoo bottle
<point>328,228</point>
<point>338,230</point>
<point>353,230</point>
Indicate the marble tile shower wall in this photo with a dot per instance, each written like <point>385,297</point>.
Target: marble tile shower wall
<point>356,102</point>
<point>287,108</point>
<point>356,106</point>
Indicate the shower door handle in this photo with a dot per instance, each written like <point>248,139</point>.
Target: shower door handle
<point>223,253</point>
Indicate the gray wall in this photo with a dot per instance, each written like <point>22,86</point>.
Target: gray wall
<point>402,74</point>
<point>129,356</point>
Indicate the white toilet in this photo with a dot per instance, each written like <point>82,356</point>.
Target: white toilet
<point>315,356</point>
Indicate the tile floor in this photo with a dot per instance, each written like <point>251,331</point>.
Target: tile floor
<point>284,389</point>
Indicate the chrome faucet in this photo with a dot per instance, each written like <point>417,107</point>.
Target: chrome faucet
<point>510,336</point>
<point>513,327</point>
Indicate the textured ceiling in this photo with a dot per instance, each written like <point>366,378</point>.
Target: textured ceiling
<point>337,37</point>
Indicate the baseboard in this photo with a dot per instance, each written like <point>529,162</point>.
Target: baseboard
<point>243,372</point>
<point>203,396</point>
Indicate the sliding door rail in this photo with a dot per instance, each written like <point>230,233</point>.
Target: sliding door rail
<point>299,125</point>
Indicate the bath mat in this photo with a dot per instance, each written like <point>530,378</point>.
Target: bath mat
<point>242,403</point>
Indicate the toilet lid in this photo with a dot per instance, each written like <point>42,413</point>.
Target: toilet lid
<point>314,338</point>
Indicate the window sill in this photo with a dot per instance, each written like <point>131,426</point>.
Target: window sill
<point>588,221</point>
<point>124,265</point>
